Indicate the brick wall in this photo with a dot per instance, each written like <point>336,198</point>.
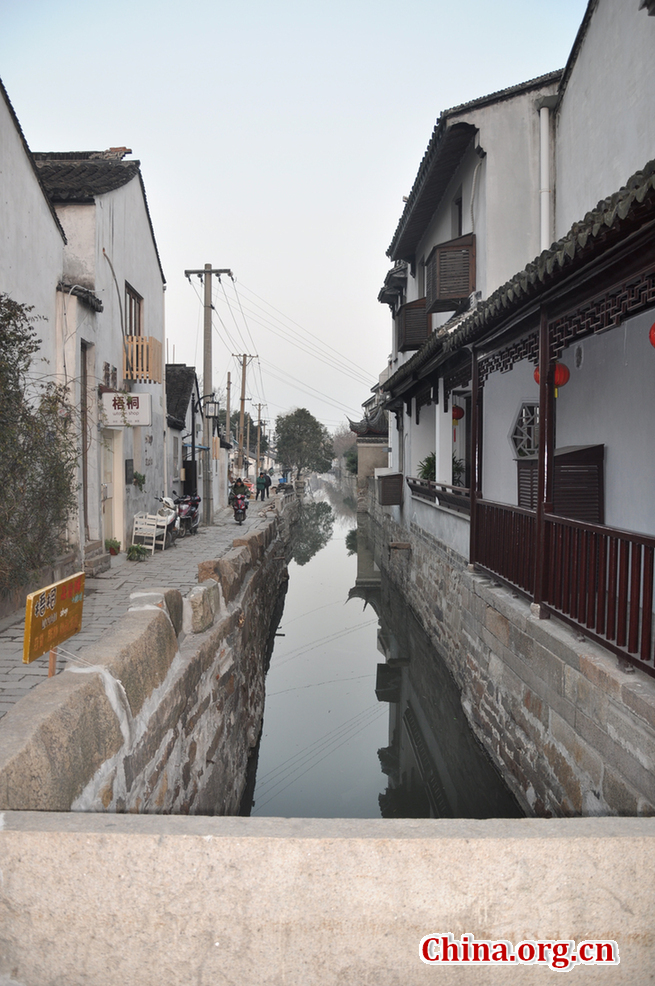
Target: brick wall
<point>571,732</point>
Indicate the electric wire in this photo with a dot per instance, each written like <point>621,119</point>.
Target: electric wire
<point>317,684</point>
<point>325,345</point>
<point>307,648</point>
<point>307,389</point>
<point>315,353</point>
<point>318,745</point>
<point>375,713</point>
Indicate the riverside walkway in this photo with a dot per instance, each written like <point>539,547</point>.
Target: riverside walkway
<point>107,597</point>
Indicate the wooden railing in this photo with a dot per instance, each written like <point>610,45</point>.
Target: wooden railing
<point>452,497</point>
<point>506,543</point>
<point>597,578</point>
<point>601,579</point>
<point>142,359</point>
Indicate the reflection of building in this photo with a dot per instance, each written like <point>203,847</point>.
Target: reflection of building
<point>434,765</point>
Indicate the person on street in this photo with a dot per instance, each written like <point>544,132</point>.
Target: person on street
<point>268,481</point>
<point>240,488</point>
<point>261,486</point>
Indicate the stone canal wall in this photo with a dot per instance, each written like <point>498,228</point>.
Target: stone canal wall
<point>571,733</point>
<point>163,712</point>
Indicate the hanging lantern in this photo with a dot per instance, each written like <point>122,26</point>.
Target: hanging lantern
<point>651,334</point>
<point>458,413</point>
<point>562,375</point>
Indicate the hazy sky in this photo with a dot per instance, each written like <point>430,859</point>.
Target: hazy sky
<point>277,140</point>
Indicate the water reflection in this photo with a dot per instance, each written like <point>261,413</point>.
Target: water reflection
<point>312,532</point>
<point>344,734</point>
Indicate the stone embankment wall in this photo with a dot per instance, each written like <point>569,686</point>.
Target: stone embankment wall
<point>164,714</point>
<point>571,732</point>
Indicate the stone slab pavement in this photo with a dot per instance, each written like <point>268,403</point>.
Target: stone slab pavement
<point>107,597</point>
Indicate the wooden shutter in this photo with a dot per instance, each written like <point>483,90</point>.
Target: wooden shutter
<point>578,483</point>
<point>527,479</point>
<point>390,489</point>
<point>413,325</point>
<point>450,274</point>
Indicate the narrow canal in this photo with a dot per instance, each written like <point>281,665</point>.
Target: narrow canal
<point>362,718</point>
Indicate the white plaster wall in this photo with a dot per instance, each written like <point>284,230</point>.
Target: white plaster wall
<point>605,123</point>
<point>503,395</point>
<point>422,437</point>
<point>447,526</point>
<point>610,400</point>
<point>31,245</point>
<point>79,255</point>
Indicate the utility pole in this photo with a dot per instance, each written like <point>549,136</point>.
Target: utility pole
<point>259,436</point>
<point>243,357</point>
<point>227,411</point>
<point>248,447</point>
<point>206,273</point>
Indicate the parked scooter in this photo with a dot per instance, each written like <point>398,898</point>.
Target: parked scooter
<point>168,511</point>
<point>189,511</point>
<point>240,505</point>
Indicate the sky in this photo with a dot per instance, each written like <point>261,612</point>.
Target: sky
<point>276,140</point>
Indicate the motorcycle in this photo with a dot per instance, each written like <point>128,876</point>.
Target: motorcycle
<point>170,521</point>
<point>189,511</point>
<point>240,505</point>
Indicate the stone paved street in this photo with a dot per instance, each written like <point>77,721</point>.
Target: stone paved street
<point>107,598</point>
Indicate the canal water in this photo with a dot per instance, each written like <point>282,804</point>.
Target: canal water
<point>362,718</point>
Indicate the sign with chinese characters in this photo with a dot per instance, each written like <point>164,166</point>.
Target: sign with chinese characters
<point>120,409</point>
<point>52,615</point>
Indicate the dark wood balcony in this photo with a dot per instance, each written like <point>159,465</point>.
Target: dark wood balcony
<point>452,497</point>
<point>598,579</point>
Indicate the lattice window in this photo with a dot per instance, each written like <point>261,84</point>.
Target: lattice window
<point>525,434</point>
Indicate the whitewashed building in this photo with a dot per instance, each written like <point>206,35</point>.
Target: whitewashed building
<point>530,225</point>
<point>32,239</point>
<point>111,323</point>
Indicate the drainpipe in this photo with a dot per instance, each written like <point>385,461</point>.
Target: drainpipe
<point>544,105</point>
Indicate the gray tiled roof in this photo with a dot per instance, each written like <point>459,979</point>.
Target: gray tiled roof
<point>611,220</point>
<point>449,141</point>
<point>77,177</point>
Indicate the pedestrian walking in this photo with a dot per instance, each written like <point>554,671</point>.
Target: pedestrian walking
<point>261,486</point>
<point>268,481</point>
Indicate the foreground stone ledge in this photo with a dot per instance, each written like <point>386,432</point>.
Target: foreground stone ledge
<point>312,902</point>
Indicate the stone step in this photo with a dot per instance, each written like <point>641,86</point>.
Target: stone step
<point>96,559</point>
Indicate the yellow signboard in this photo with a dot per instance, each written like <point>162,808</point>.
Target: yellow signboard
<point>52,615</point>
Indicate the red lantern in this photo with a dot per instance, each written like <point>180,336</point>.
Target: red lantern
<point>458,413</point>
<point>651,334</point>
<point>562,375</point>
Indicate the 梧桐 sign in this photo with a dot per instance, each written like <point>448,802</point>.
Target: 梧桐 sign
<point>52,615</point>
<point>120,409</point>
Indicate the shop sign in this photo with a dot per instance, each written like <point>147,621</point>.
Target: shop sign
<point>120,410</point>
